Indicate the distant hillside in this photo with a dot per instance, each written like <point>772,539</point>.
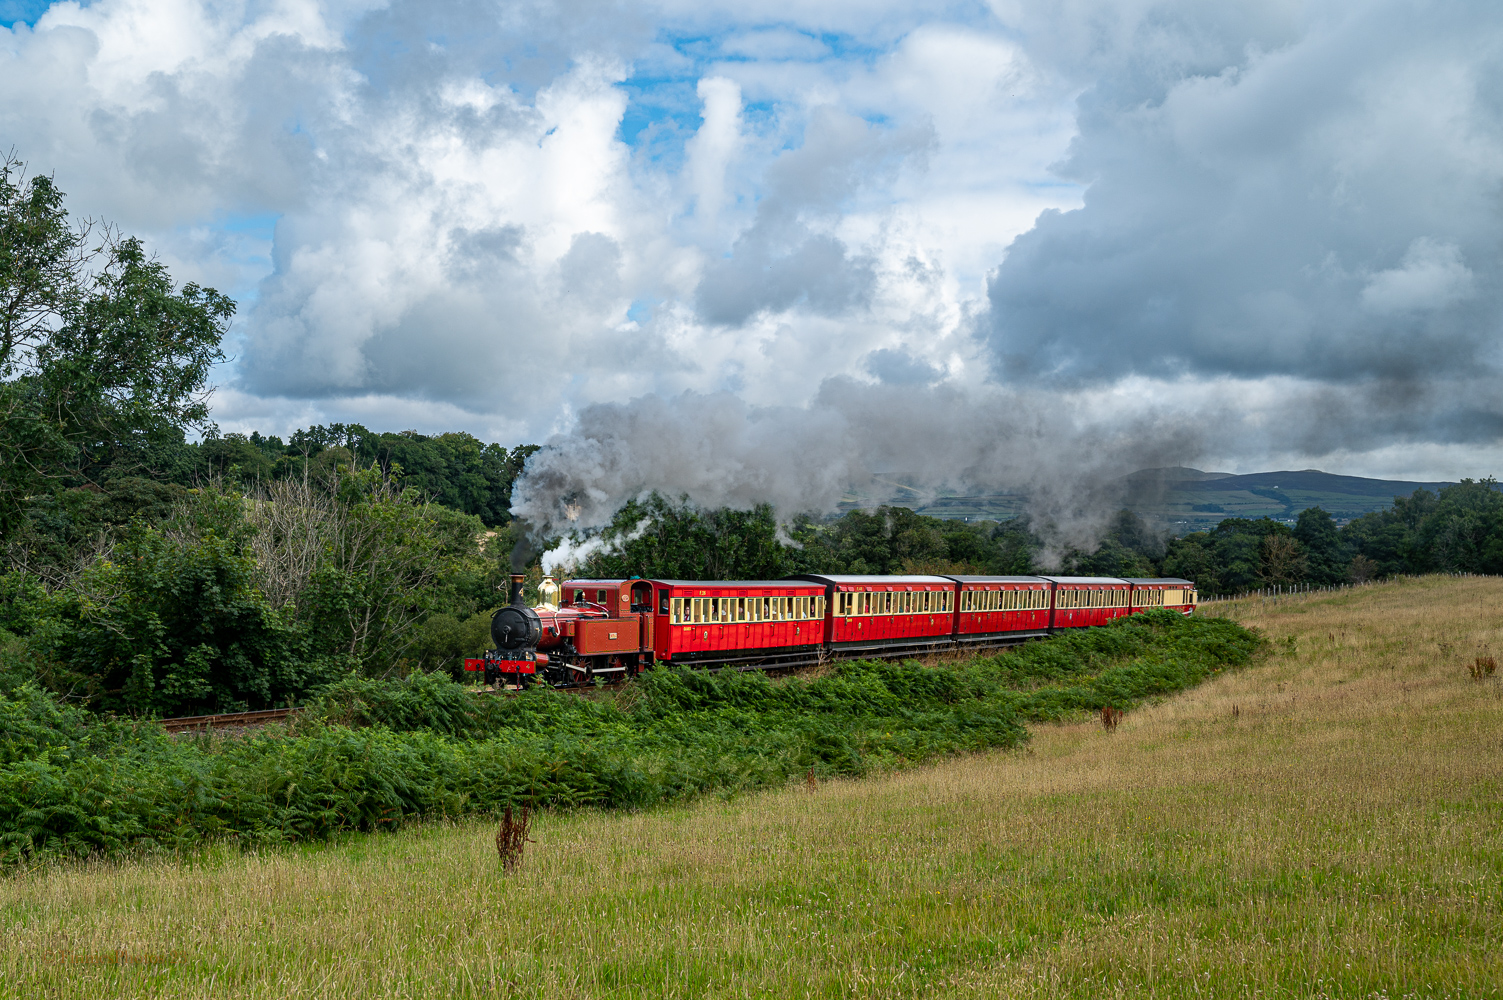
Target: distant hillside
<point>1200,500</point>
<point>1187,499</point>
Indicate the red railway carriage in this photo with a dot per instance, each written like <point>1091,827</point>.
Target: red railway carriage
<point>888,612</point>
<point>989,606</point>
<point>1089,600</point>
<point>728,621</point>
<point>1164,592</point>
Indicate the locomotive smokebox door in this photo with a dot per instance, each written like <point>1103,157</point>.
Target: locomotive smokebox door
<point>515,627</point>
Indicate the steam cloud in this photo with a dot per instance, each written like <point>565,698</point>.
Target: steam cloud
<point>720,451</point>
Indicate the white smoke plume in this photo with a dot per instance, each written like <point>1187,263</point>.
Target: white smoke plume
<point>721,451</point>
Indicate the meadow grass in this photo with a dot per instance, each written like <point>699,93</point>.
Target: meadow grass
<point>1324,823</point>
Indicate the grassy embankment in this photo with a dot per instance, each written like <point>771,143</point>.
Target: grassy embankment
<point>1339,834</point>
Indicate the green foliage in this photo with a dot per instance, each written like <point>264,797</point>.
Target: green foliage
<point>655,537</point>
<point>896,540</point>
<point>174,625</point>
<point>103,360</point>
<point>454,470</point>
<point>1458,530</point>
<point>1128,548</point>
<point>383,752</point>
<point>681,541</point>
<point>1227,559</point>
<point>1328,555</point>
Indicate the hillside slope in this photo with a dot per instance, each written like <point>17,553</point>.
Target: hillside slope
<point>1186,499</point>
<point>1324,823</point>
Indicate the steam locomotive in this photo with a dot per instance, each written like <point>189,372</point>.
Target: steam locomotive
<point>613,628</point>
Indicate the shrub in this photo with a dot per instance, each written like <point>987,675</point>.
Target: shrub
<point>369,755</point>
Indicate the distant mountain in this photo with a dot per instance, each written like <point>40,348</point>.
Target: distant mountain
<point>1191,500</point>
<point>1185,499</point>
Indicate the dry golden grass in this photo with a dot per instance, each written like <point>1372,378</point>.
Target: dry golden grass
<point>1326,823</point>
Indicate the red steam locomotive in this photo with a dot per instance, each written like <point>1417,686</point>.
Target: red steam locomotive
<point>610,628</point>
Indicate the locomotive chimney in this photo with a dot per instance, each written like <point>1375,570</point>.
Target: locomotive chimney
<point>516,588</point>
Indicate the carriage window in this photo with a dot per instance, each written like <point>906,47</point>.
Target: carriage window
<point>676,606</point>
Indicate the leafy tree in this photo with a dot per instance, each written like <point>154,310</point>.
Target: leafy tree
<point>1463,532</point>
<point>1327,556</point>
<point>653,536</point>
<point>1129,548</point>
<point>175,624</point>
<point>1230,558</point>
<point>103,360</point>
<point>1193,558</point>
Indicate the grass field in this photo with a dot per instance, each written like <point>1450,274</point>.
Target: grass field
<point>1326,823</point>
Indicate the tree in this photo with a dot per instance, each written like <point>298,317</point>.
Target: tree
<point>655,537</point>
<point>1284,560</point>
<point>1328,558</point>
<point>103,360</point>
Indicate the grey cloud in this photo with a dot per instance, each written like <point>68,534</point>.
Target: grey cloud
<point>478,253</point>
<point>591,269</point>
<point>895,367</point>
<point>1327,209</point>
<point>768,273</point>
<point>784,259</point>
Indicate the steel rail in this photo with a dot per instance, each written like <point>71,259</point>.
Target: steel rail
<point>184,722</point>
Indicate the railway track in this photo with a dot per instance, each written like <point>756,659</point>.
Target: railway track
<point>228,720</point>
